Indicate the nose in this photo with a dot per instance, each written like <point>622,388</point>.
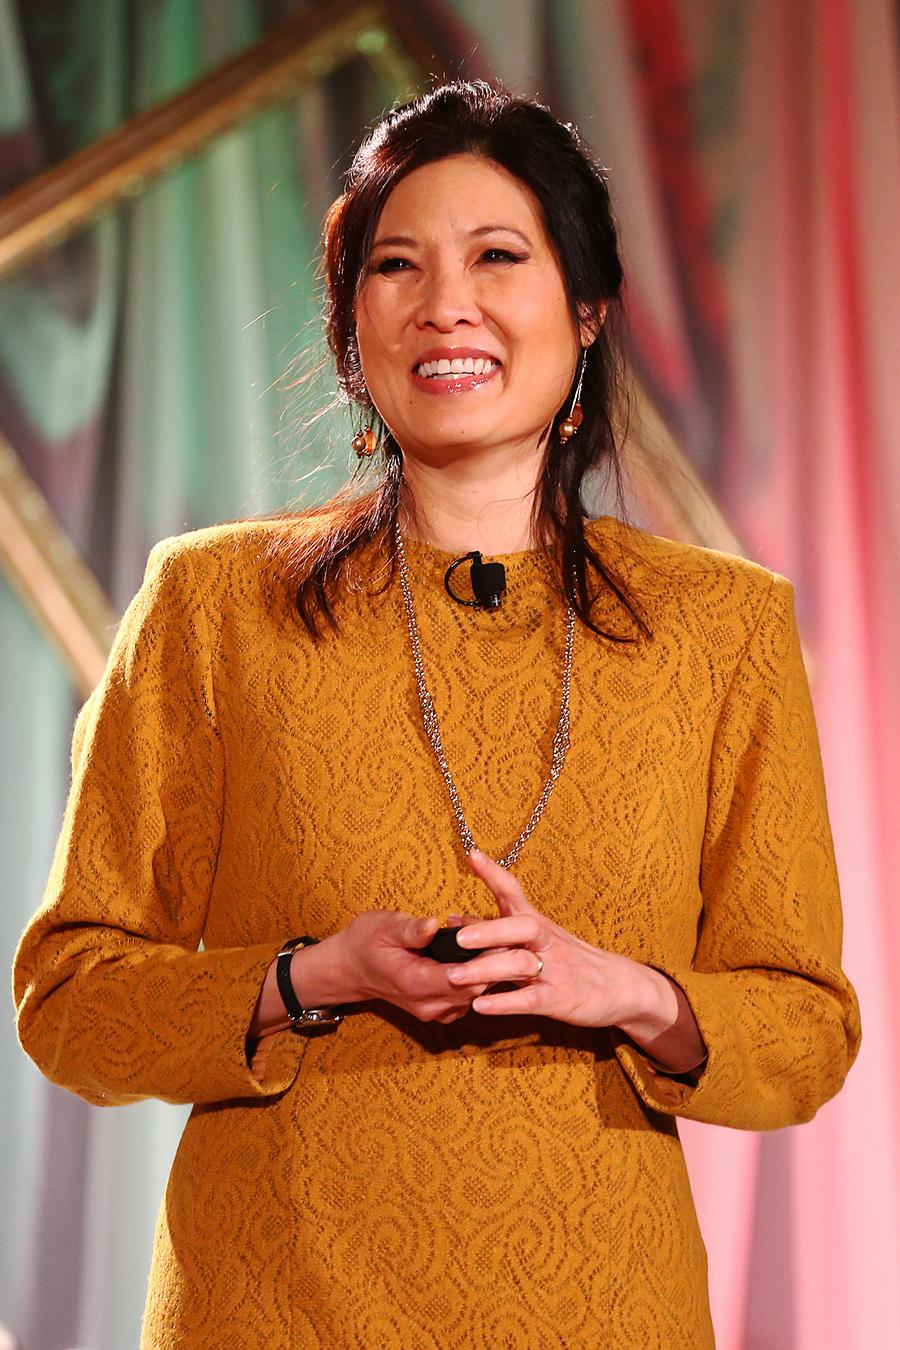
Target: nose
<point>448,299</point>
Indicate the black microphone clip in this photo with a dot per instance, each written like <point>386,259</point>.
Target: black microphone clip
<point>488,582</point>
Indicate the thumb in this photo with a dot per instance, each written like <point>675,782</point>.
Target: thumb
<point>418,932</point>
<point>507,892</point>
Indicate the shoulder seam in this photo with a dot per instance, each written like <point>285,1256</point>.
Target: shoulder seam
<point>660,550</point>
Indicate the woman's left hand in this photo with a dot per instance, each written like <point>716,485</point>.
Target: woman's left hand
<point>579,983</point>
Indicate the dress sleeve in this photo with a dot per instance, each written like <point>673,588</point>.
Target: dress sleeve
<point>115,1002</point>
<point>779,1018</point>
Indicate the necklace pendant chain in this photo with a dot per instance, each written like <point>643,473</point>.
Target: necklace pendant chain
<point>433,731</point>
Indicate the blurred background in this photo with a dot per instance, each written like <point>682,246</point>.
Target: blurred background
<point>164,169</point>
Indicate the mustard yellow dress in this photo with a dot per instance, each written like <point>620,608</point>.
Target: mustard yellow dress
<point>498,1182</point>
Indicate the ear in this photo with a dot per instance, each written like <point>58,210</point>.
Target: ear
<point>590,320</point>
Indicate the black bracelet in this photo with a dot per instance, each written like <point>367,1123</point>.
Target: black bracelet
<point>300,1017</point>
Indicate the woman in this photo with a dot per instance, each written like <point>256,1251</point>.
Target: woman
<point>308,722</point>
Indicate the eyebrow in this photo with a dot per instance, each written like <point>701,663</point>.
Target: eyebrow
<point>405,241</point>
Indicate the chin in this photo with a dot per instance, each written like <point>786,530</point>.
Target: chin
<point>449,432</point>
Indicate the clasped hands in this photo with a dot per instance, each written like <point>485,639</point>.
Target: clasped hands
<point>579,983</point>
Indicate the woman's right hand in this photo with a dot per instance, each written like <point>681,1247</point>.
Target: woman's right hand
<point>375,956</point>
<point>381,948</point>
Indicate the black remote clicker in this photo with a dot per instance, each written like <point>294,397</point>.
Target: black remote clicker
<point>443,947</point>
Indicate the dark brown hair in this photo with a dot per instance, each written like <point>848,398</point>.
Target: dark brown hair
<point>523,137</point>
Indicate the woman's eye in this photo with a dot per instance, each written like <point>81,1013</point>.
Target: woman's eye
<point>502,255</point>
<point>391,265</point>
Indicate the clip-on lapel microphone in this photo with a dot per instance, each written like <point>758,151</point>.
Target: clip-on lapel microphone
<point>488,582</point>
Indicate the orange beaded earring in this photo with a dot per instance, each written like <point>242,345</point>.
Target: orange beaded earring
<point>365,442</point>
<point>570,424</point>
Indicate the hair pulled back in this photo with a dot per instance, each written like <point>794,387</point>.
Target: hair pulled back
<point>549,158</point>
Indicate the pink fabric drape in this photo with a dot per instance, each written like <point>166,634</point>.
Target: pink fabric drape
<point>801,1227</point>
<point>826,508</point>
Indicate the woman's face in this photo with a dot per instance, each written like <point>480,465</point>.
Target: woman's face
<point>462,271</point>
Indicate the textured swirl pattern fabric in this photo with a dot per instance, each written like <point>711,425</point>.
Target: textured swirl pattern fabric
<point>498,1182</point>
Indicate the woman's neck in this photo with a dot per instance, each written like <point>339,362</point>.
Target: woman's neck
<point>461,508</point>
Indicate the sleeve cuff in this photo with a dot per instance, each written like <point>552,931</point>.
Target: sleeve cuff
<point>277,1058</point>
<point>657,1087</point>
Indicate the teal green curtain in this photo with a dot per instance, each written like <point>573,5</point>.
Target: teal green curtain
<point>150,380</point>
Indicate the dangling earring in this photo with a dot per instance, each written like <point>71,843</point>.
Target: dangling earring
<point>365,442</point>
<point>570,425</point>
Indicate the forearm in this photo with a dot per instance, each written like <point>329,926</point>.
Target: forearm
<point>664,1026</point>
<point>321,979</point>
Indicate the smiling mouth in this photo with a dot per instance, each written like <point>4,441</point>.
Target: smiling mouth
<point>461,375</point>
<point>457,369</point>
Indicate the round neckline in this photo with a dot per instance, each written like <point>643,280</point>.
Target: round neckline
<point>524,559</point>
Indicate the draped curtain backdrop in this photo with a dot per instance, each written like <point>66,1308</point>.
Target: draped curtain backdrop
<point>753,154</point>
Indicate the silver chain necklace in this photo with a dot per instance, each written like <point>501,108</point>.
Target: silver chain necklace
<point>432,730</point>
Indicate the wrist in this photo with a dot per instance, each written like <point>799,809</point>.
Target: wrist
<point>664,1027</point>
<point>321,976</point>
<point>654,1006</point>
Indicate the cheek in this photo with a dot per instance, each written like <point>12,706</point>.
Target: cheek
<point>384,378</point>
<point>541,317</point>
<point>382,309</point>
<point>552,351</point>
<point>378,332</point>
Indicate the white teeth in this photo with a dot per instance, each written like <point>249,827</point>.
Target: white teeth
<point>460,365</point>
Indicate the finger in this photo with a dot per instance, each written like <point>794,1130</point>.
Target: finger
<point>460,920</point>
<point>516,963</point>
<point>507,892</point>
<point>524,1000</point>
<point>453,1014</point>
<point>515,930</point>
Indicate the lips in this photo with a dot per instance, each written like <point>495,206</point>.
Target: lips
<point>453,384</point>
